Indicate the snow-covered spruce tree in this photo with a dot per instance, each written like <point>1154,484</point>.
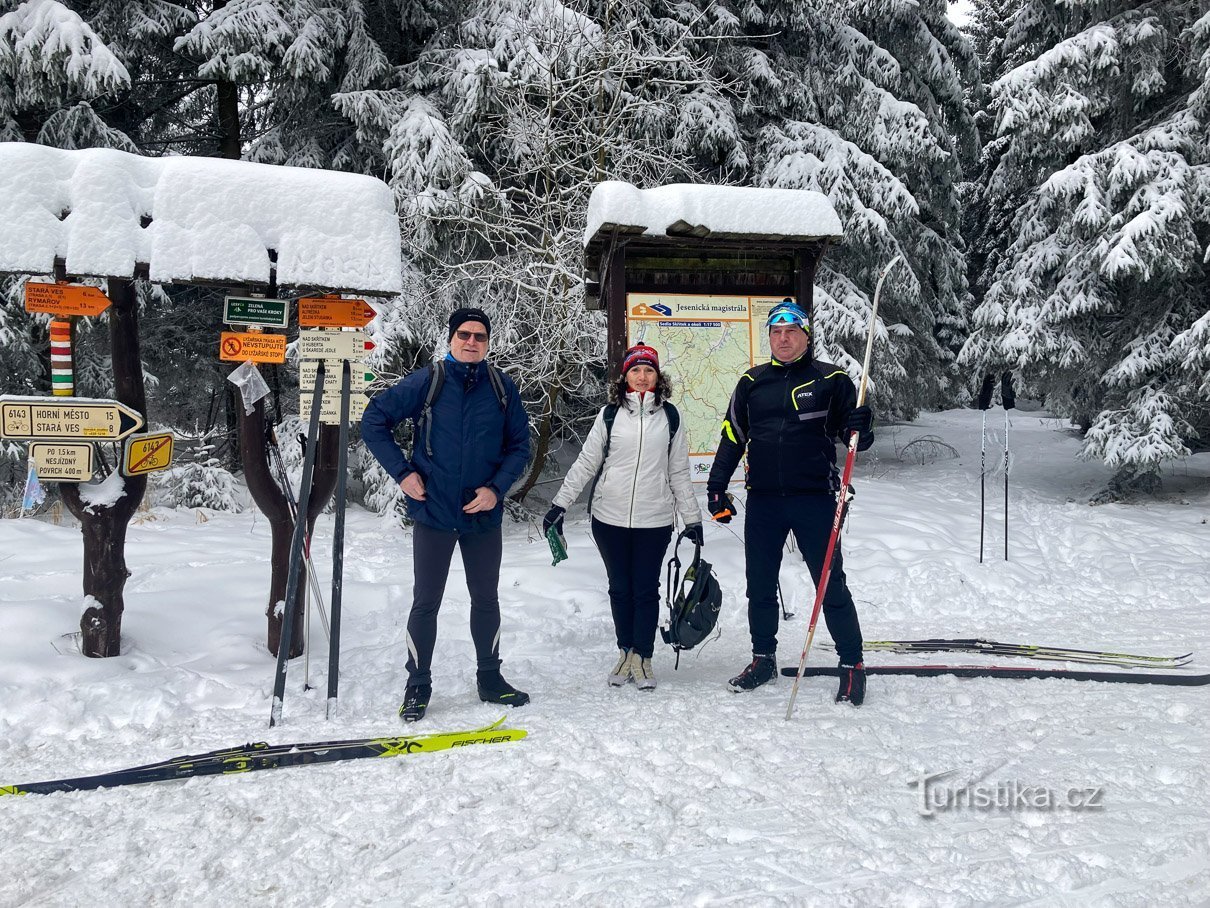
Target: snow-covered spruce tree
<point>503,126</point>
<point>865,101</point>
<point>53,66</point>
<point>1099,287</point>
<point>294,55</point>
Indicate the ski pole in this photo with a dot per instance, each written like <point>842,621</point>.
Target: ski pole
<point>338,542</point>
<point>985,401</point>
<point>312,577</point>
<point>296,551</point>
<point>843,498</point>
<point>1009,399</point>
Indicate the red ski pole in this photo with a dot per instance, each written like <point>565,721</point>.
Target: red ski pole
<point>842,500</point>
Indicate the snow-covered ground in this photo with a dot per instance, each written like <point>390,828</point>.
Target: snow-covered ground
<point>688,795</point>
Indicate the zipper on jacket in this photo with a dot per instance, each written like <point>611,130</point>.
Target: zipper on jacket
<point>781,434</point>
<point>638,463</point>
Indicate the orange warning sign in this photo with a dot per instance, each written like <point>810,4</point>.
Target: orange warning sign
<point>240,347</point>
<point>333,312</point>
<point>64,299</point>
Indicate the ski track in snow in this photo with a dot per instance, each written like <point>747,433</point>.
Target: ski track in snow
<point>689,795</point>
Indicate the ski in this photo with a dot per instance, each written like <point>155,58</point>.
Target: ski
<point>1014,671</point>
<point>260,755</point>
<point>1027,651</point>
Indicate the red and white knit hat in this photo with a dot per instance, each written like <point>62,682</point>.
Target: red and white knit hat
<point>640,355</point>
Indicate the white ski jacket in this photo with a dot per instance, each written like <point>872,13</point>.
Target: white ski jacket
<point>642,485</point>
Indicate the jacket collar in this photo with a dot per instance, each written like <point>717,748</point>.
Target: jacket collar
<point>462,370</point>
<point>803,362</point>
<point>646,401</point>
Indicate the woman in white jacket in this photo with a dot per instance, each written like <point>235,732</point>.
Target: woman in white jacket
<point>639,481</point>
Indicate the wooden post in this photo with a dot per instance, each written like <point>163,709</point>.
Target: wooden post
<point>614,291</point>
<point>104,526</point>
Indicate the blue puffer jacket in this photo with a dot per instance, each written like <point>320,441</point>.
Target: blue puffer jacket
<point>474,442</point>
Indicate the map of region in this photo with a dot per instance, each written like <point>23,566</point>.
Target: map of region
<point>704,360</point>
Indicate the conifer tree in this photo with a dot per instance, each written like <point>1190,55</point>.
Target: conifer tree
<point>1097,289</point>
<point>865,102</point>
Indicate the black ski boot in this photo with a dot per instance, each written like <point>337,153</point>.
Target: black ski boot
<point>852,684</point>
<point>494,689</point>
<point>761,670</point>
<point>415,702</point>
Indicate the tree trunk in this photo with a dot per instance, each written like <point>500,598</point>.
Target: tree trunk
<point>272,502</point>
<point>104,528</point>
<point>543,446</point>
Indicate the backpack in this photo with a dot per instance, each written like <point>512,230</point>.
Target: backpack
<point>424,422</point>
<point>693,613</point>
<point>610,413</point>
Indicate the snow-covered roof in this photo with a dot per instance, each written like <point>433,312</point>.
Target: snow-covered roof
<point>710,211</point>
<point>195,219</point>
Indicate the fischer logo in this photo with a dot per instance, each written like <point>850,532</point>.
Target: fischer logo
<point>487,739</point>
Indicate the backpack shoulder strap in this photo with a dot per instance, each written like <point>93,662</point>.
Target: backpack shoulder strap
<point>496,377</point>
<point>608,413</point>
<point>674,423</point>
<point>424,424</point>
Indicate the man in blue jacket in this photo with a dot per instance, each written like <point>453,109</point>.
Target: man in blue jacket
<point>471,442</point>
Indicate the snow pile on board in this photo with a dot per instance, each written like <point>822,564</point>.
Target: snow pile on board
<point>194,219</point>
<point>699,210</point>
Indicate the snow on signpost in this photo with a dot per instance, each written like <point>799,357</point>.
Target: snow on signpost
<point>188,219</point>
<point>720,211</point>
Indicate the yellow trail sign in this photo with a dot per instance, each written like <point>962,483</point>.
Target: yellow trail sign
<point>147,453</point>
<point>66,419</point>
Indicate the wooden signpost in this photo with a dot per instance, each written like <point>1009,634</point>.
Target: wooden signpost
<point>359,377</point>
<point>66,419</point>
<point>333,312</point>
<point>62,461</point>
<point>321,344</point>
<point>64,299</point>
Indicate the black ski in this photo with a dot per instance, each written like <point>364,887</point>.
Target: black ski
<point>252,757</point>
<point>1027,651</point>
<point>1012,671</point>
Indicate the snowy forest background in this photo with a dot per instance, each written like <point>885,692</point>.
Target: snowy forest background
<point>1045,170</point>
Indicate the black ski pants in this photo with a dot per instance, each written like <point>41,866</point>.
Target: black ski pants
<point>632,562</point>
<point>769,520</point>
<point>432,551</point>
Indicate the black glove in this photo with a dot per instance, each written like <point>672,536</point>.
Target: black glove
<point>693,532</point>
<point>720,505</point>
<point>985,392</point>
<point>861,421</point>
<point>553,518</point>
<point>1008,396</point>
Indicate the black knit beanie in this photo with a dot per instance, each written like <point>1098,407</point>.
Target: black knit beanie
<point>469,315</point>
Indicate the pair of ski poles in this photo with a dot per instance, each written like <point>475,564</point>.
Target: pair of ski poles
<point>1009,399</point>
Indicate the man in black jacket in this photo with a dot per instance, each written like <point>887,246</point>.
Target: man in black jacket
<point>788,414</point>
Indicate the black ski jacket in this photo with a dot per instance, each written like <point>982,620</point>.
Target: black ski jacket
<point>789,418</point>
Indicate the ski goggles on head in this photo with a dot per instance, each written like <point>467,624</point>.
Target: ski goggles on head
<point>788,314</point>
